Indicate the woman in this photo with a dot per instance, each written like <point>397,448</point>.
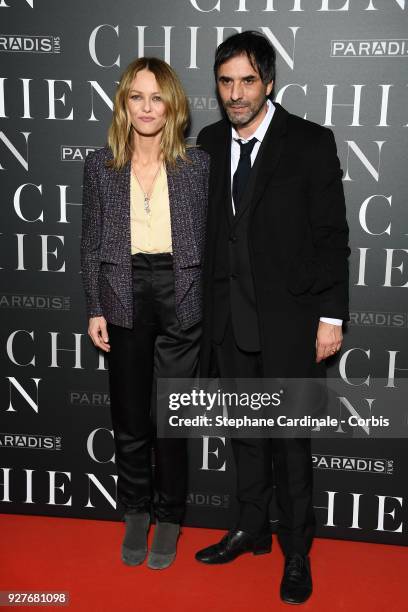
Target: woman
<point>144,210</point>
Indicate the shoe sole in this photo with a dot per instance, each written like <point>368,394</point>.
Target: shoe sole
<point>128,561</point>
<point>263,551</point>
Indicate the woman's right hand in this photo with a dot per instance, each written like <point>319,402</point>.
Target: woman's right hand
<point>98,333</point>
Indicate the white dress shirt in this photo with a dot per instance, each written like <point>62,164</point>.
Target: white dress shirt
<point>259,134</point>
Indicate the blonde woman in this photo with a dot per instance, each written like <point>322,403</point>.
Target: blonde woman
<point>144,209</point>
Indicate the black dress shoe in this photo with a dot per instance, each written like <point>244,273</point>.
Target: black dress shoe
<point>296,586</point>
<point>233,544</point>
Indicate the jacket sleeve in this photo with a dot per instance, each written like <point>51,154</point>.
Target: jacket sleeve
<point>330,230</point>
<point>201,143</point>
<point>206,180</point>
<point>90,238</point>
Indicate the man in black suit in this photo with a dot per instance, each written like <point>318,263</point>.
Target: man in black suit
<point>275,286</point>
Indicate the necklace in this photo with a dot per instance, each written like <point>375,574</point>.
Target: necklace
<point>147,195</point>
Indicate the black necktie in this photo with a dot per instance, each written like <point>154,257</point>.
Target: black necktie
<point>241,176</point>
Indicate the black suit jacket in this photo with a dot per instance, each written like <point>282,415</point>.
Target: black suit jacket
<point>297,238</point>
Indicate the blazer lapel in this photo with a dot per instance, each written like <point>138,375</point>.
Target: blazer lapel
<point>182,216</point>
<point>117,216</point>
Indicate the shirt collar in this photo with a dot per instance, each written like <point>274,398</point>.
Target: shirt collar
<point>261,130</point>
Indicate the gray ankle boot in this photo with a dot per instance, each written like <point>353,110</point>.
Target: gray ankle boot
<point>163,551</point>
<point>134,547</point>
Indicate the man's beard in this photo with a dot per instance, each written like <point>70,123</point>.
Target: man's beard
<point>243,118</point>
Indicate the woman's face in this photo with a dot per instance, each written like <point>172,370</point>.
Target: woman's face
<point>146,109</point>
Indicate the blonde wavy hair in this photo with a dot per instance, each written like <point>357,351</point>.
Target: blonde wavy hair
<point>177,113</point>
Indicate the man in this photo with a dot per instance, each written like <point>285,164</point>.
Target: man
<point>275,286</point>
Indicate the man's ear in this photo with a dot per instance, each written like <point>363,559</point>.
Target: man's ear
<point>269,88</point>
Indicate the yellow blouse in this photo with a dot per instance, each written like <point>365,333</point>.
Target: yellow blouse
<point>150,233</point>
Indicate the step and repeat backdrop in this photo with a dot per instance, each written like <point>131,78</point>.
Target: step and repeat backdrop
<point>340,63</point>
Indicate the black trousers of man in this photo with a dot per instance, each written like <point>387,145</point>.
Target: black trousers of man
<point>291,459</point>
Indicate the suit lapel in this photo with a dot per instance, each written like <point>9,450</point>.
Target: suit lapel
<point>272,146</point>
<point>228,192</point>
<point>265,162</point>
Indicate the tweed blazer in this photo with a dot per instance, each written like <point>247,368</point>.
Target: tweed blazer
<point>106,262</point>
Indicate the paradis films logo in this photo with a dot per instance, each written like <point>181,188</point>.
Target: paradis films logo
<point>214,500</point>
<point>35,302</point>
<point>380,319</point>
<point>353,464</point>
<point>76,152</point>
<point>389,47</point>
<point>22,43</point>
<point>30,441</point>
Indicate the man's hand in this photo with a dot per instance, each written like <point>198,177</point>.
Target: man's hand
<point>328,341</point>
<point>98,333</point>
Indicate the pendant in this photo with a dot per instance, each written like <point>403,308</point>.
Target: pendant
<point>147,205</point>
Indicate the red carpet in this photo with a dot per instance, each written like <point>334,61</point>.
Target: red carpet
<point>82,557</point>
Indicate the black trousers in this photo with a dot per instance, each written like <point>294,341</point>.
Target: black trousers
<point>291,460</point>
<point>156,347</point>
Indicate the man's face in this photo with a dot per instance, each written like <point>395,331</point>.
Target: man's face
<point>242,91</point>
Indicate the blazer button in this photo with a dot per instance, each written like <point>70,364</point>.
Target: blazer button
<point>233,276</point>
<point>232,238</point>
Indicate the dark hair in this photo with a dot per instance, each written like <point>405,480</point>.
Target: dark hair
<point>257,48</point>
